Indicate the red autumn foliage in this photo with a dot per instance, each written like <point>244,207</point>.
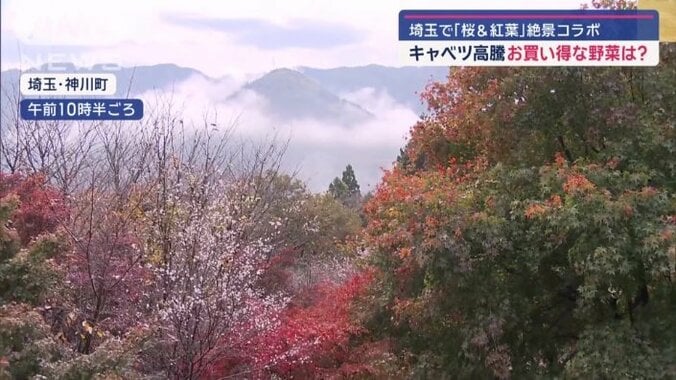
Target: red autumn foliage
<point>41,209</point>
<point>278,270</point>
<point>313,337</point>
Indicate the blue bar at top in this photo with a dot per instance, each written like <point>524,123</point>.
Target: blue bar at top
<point>560,25</point>
<point>81,109</point>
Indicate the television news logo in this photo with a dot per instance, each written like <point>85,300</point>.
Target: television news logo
<point>68,62</point>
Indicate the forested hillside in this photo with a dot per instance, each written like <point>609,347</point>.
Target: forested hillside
<point>527,230</point>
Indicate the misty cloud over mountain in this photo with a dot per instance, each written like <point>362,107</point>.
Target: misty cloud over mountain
<point>330,117</point>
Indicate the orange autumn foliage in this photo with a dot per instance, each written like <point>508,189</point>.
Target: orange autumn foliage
<point>577,183</point>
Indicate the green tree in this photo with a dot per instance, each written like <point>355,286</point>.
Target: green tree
<point>346,188</point>
<point>350,181</point>
<point>338,189</point>
<point>538,239</point>
<point>34,298</point>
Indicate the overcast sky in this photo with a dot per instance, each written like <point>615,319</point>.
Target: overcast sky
<point>240,40</point>
<point>216,37</point>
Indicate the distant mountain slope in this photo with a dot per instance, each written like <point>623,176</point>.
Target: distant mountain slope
<point>292,95</point>
<point>135,80</point>
<point>306,93</point>
<point>402,83</point>
<point>147,78</point>
<point>130,81</point>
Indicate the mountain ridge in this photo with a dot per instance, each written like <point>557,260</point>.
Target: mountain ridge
<point>293,95</point>
<point>303,92</point>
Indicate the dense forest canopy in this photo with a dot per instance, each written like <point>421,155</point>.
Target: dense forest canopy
<point>526,230</point>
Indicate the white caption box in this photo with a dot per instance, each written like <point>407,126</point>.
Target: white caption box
<point>68,84</point>
<point>530,53</point>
